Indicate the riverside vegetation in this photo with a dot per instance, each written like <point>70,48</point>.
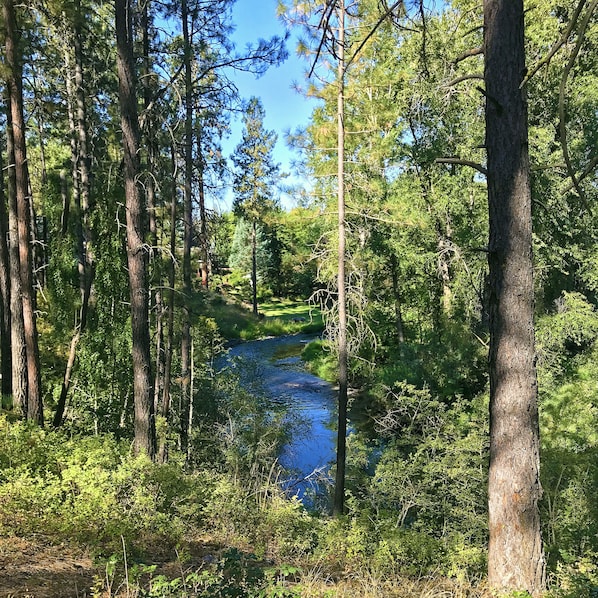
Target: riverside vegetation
<point>128,466</point>
<point>218,524</point>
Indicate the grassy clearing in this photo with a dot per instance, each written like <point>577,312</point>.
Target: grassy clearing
<point>277,317</point>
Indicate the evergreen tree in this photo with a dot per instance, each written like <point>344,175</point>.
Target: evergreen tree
<point>515,554</point>
<point>255,177</point>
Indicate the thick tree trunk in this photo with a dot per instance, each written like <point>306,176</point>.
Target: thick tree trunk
<point>137,255</point>
<point>23,201</point>
<point>17,328</point>
<point>515,555</point>
<point>343,367</point>
<point>5,349</point>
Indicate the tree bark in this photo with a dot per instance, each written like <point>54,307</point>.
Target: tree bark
<point>163,453</point>
<point>188,235</point>
<point>341,442</point>
<point>5,346</point>
<point>203,233</point>
<point>82,196</point>
<point>17,329</point>
<point>23,215</point>
<point>145,431</point>
<point>515,554</point>
<point>254,267</point>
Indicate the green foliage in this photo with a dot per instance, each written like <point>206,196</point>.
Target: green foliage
<point>431,475</point>
<point>92,490</point>
<point>320,360</point>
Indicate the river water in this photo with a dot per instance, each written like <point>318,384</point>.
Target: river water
<point>273,366</point>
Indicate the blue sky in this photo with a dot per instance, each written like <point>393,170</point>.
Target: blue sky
<point>285,108</point>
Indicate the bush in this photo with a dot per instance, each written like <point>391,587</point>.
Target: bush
<point>92,490</point>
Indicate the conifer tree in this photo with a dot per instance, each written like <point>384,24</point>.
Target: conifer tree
<point>255,178</point>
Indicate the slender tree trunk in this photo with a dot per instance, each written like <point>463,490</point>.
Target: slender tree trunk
<point>341,443</point>
<point>394,273</point>
<point>515,554</point>
<point>203,233</point>
<point>188,235</point>
<point>82,188</point>
<point>163,457</point>
<point>254,267</point>
<point>145,431</point>
<point>150,194</point>
<point>23,199</point>
<point>5,346</point>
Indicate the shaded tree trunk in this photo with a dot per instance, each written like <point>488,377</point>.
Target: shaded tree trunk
<point>163,454</point>
<point>515,554</point>
<point>137,255</point>
<point>23,206</point>
<point>5,347</point>
<point>82,195</point>
<point>203,218</point>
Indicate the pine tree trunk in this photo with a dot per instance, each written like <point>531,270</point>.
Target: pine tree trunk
<point>163,454</point>
<point>203,233</point>
<point>515,554</point>
<point>188,236</point>
<point>341,442</point>
<point>17,328</point>
<point>23,207</point>
<point>145,432</point>
<point>82,188</point>
<point>254,267</point>
<point>5,348</point>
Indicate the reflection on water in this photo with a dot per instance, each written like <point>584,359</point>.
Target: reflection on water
<point>273,365</point>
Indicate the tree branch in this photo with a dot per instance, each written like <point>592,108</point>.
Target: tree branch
<point>465,78</point>
<point>558,44</point>
<point>562,89</point>
<point>460,162</point>
<point>469,54</point>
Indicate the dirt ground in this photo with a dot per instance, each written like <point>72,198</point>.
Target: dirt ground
<point>35,569</point>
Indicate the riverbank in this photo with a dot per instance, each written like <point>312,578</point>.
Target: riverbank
<point>277,317</point>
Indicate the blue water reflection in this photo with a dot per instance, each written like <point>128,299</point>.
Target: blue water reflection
<point>273,367</point>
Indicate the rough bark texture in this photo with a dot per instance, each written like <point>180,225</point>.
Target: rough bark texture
<point>515,555</point>
<point>5,356</point>
<point>23,206</point>
<point>145,432</point>
<point>17,330</point>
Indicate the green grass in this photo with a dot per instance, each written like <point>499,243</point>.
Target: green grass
<point>236,321</point>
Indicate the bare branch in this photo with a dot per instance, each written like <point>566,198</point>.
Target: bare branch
<point>469,54</point>
<point>465,78</point>
<point>461,162</point>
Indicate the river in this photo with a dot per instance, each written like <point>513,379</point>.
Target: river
<point>275,366</point>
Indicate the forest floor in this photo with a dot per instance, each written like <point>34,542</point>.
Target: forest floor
<point>35,568</point>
